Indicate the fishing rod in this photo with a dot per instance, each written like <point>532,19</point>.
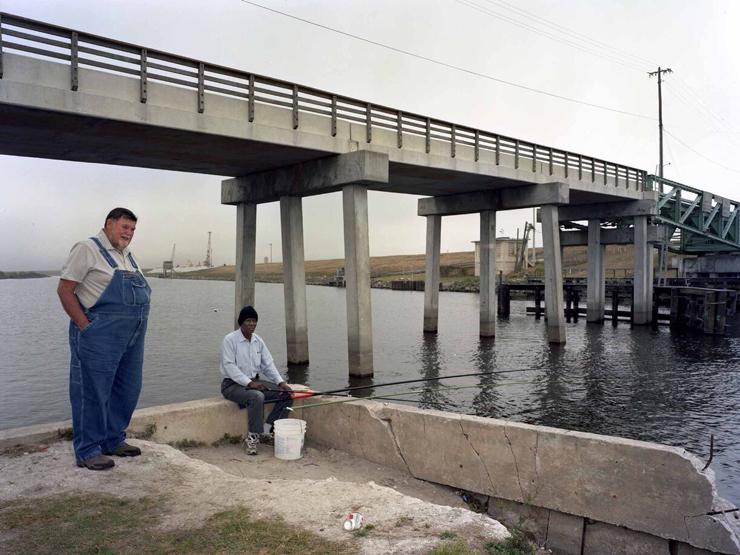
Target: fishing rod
<point>359,387</point>
<point>374,397</point>
<point>302,393</point>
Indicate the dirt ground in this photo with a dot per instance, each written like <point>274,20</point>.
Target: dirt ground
<point>316,492</point>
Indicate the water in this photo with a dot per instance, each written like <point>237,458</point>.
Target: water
<point>664,385</point>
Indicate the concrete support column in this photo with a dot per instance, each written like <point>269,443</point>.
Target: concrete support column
<point>294,279</point>
<point>650,278</point>
<point>246,229</point>
<point>595,287</point>
<point>431,274</point>
<point>488,273</point>
<point>553,274</point>
<point>642,278</point>
<point>357,278</point>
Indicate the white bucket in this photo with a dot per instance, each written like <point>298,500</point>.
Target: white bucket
<point>289,434</point>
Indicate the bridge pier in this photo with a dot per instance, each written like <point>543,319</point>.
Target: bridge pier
<point>488,273</point>
<point>350,173</point>
<point>643,278</point>
<point>553,274</point>
<point>246,244</point>
<point>595,285</point>
<point>357,278</point>
<point>294,280</point>
<point>431,274</point>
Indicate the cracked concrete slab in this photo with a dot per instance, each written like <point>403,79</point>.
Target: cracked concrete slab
<point>644,487</point>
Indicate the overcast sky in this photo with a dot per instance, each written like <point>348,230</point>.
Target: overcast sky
<point>596,52</point>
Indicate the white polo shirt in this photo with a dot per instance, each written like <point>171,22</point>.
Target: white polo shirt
<point>87,266</point>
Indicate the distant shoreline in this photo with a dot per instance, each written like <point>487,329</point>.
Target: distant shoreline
<point>22,275</point>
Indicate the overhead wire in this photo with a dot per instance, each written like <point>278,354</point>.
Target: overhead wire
<point>674,161</point>
<point>566,30</point>
<point>545,34</point>
<point>687,102</point>
<point>449,66</point>
<point>699,153</point>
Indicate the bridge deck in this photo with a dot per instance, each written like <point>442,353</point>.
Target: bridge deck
<point>110,102</point>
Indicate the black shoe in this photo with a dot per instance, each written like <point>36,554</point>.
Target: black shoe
<point>125,450</point>
<point>97,462</point>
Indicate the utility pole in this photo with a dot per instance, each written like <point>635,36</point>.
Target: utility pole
<point>270,253</point>
<point>660,73</point>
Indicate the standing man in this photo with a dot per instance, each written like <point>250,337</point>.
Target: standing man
<point>243,355</point>
<point>107,299</point>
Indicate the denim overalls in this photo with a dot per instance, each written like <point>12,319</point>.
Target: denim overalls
<point>107,357</point>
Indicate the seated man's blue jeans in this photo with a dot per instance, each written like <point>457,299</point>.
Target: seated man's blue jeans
<point>254,401</point>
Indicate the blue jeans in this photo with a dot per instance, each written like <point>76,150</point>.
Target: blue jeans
<point>255,400</point>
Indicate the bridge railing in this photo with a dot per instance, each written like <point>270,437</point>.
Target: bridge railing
<point>82,49</point>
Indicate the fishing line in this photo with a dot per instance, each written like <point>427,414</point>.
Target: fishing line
<point>360,387</point>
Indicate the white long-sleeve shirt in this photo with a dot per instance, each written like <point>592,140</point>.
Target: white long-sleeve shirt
<point>242,359</point>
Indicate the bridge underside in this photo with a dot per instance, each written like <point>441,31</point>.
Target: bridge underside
<point>49,134</point>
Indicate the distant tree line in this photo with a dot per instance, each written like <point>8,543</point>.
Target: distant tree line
<point>21,275</point>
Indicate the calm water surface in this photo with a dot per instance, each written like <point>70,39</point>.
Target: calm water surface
<point>663,385</point>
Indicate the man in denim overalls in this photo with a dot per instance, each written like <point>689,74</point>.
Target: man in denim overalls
<point>107,299</point>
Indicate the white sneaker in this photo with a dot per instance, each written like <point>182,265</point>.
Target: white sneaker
<point>251,443</point>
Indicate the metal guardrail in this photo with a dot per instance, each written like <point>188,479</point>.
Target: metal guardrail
<point>705,222</point>
<point>83,49</point>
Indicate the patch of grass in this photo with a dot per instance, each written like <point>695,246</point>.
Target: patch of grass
<point>404,521</point>
<point>228,439</point>
<point>517,544</point>
<point>447,535</point>
<point>364,531</point>
<point>187,444</point>
<point>65,434</point>
<point>104,525</point>
<point>148,432</point>
<point>459,547</point>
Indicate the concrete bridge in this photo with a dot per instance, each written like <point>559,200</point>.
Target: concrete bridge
<point>69,95</point>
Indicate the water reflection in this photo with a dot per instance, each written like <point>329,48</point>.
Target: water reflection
<point>432,364</point>
<point>298,373</point>
<point>364,383</point>
<point>486,399</point>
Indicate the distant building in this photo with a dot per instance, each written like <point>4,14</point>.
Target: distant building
<point>505,255</point>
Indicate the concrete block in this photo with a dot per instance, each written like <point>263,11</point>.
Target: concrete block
<point>686,549</point>
<point>360,428</point>
<point>719,533</point>
<point>565,534</point>
<point>530,519</point>
<point>601,539</point>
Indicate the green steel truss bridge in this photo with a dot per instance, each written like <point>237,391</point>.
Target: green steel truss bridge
<point>697,222</point>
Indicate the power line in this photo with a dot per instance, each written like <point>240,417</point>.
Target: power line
<point>497,15</point>
<point>687,102</point>
<point>449,66</point>
<point>699,153</point>
<point>704,105</point>
<point>575,34</point>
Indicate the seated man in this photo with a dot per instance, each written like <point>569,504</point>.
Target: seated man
<point>243,355</point>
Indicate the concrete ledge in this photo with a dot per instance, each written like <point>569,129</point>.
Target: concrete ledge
<point>205,420</point>
<point>639,486</point>
<point>628,493</point>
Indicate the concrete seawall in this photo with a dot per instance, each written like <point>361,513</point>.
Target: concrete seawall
<point>576,493</point>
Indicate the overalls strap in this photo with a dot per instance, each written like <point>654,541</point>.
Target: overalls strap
<point>133,262</point>
<point>106,254</point>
